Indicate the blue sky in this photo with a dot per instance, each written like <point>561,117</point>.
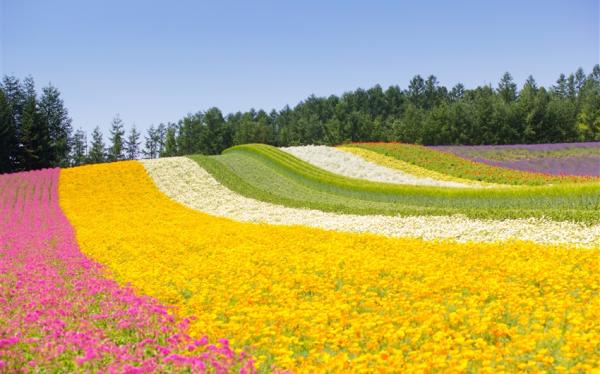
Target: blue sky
<point>155,61</point>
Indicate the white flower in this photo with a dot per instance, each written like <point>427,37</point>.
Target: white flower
<point>353,166</point>
<point>186,182</point>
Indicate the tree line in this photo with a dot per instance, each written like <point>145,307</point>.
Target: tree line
<point>36,132</point>
<point>423,113</point>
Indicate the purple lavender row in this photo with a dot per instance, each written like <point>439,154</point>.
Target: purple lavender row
<point>579,159</point>
<point>534,147</point>
<point>580,166</point>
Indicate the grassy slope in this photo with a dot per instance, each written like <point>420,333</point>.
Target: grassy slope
<point>268,174</point>
<point>444,162</point>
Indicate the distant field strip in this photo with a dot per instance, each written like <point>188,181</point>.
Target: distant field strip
<point>353,166</point>
<point>268,174</point>
<point>394,163</point>
<point>444,162</point>
<point>581,159</point>
<point>184,181</point>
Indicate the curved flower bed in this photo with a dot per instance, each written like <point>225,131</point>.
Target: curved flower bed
<point>445,162</point>
<point>185,181</point>
<point>394,163</point>
<point>58,312</point>
<point>353,166</point>
<point>581,159</point>
<point>318,301</point>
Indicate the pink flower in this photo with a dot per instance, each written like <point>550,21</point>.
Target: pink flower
<point>61,302</point>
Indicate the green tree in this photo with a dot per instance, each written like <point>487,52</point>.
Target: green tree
<point>152,143</point>
<point>161,133</point>
<point>507,88</point>
<point>432,93</point>
<point>116,151</point>
<point>9,145</point>
<point>595,74</point>
<point>97,151</point>
<point>580,79</point>
<point>457,93</point>
<point>212,139</point>
<point>416,91</point>
<point>132,144</point>
<point>588,118</point>
<point>190,133</point>
<point>34,135</point>
<point>58,122</point>
<point>560,89</point>
<point>79,148</point>
<point>170,142</point>
<point>15,96</point>
<point>409,129</point>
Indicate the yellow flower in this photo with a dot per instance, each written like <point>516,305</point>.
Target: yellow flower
<point>313,300</point>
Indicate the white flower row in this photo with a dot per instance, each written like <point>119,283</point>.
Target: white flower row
<point>186,182</point>
<point>350,165</point>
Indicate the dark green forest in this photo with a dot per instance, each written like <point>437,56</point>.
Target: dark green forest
<point>36,130</point>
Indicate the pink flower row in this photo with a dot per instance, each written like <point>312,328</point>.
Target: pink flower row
<point>59,311</point>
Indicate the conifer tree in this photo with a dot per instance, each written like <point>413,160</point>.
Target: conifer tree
<point>57,120</point>
<point>116,151</point>
<point>97,151</point>
<point>170,143</point>
<point>8,136</point>
<point>132,144</point>
<point>79,148</point>
<point>34,135</point>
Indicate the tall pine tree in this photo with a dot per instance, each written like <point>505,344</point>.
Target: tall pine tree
<point>507,88</point>
<point>152,143</point>
<point>97,151</point>
<point>132,144</point>
<point>34,134</point>
<point>58,122</point>
<point>8,136</point>
<point>170,143</point>
<point>79,148</point>
<point>116,151</point>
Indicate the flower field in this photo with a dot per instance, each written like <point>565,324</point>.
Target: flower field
<point>184,181</point>
<point>557,159</point>
<point>407,167</point>
<point>266,173</point>
<point>350,165</point>
<point>449,163</point>
<point>59,313</point>
<point>311,259</point>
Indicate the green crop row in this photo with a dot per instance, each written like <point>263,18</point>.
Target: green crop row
<point>268,174</point>
<point>456,166</point>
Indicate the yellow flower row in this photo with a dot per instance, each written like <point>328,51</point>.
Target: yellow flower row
<point>409,168</point>
<point>312,300</point>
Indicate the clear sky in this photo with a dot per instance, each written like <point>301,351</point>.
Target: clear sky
<point>155,61</point>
